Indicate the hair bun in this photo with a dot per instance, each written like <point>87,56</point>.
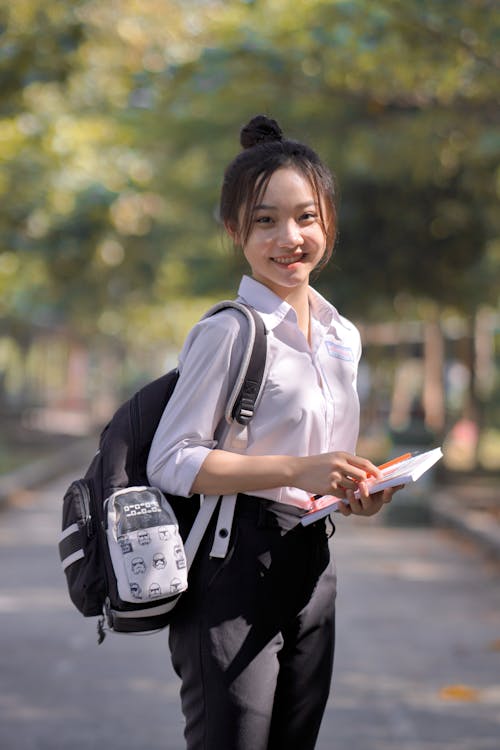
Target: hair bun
<point>260,129</point>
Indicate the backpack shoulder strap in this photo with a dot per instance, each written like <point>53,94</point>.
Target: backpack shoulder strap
<point>240,407</point>
<point>247,388</point>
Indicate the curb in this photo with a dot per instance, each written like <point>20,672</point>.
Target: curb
<point>32,475</point>
<point>477,525</point>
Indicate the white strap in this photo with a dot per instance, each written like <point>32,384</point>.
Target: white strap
<point>203,517</point>
<point>200,525</point>
<point>224,525</point>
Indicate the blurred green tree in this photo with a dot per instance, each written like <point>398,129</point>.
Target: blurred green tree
<point>117,119</point>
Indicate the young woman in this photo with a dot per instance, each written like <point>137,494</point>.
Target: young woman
<point>253,638</point>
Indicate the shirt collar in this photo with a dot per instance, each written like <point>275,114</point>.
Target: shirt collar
<point>274,310</point>
<point>327,315</point>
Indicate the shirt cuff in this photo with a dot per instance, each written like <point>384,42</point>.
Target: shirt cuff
<point>179,479</point>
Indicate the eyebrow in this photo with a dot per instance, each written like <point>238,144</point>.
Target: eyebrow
<point>267,207</point>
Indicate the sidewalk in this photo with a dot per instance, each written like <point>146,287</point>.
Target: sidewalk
<point>473,510</point>
<point>417,658</point>
<point>418,641</point>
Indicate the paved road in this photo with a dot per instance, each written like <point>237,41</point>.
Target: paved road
<point>418,657</point>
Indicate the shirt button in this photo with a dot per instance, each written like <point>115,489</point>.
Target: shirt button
<point>223,533</point>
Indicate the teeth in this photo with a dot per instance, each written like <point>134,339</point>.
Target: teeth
<point>287,261</point>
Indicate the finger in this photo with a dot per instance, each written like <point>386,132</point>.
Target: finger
<point>363,491</point>
<point>340,482</point>
<point>354,502</point>
<point>344,509</point>
<point>390,492</point>
<point>352,473</point>
<point>370,503</point>
<point>348,483</point>
<point>364,465</point>
<point>387,496</point>
<point>349,469</point>
<point>336,490</point>
<point>336,478</point>
<point>384,496</point>
<point>398,487</point>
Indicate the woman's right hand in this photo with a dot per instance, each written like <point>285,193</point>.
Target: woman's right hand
<point>332,473</point>
<point>224,473</point>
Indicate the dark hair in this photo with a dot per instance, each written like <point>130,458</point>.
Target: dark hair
<point>247,176</point>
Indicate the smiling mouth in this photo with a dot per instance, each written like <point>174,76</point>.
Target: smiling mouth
<point>287,260</point>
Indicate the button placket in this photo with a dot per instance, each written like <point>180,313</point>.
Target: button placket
<point>328,401</point>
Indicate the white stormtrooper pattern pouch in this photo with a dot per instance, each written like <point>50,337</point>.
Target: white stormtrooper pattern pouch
<point>145,546</point>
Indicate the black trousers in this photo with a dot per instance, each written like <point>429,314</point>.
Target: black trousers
<point>253,637</point>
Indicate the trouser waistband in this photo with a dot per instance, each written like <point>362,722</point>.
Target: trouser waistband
<point>268,513</point>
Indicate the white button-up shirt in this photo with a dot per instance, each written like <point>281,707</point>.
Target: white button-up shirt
<point>309,402</point>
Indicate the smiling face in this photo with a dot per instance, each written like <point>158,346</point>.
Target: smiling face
<point>286,240</point>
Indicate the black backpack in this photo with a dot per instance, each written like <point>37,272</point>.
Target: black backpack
<point>121,544</point>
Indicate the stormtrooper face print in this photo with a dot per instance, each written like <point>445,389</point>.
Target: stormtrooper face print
<point>159,561</point>
<point>138,566</point>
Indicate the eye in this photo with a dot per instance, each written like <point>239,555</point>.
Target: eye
<point>308,216</point>
<point>263,220</point>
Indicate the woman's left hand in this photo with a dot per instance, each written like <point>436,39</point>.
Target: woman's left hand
<point>366,504</point>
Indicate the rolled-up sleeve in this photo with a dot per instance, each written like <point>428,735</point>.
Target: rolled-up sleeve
<point>208,365</point>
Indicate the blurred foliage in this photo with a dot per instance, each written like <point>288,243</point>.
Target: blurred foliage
<point>118,118</point>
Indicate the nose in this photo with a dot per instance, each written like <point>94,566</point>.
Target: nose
<point>289,235</point>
